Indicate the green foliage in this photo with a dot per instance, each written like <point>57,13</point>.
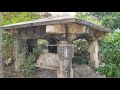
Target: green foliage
<point>15,17</point>
<point>111,48</point>
<point>110,70</point>
<point>81,51</point>
<point>37,51</point>
<point>111,44</point>
<point>28,67</point>
<point>41,45</point>
<point>107,19</point>
<point>7,39</point>
<point>86,16</point>
<point>7,45</point>
<point>111,51</point>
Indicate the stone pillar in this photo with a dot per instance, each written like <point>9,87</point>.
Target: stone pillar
<point>20,52</point>
<point>65,52</point>
<point>93,50</point>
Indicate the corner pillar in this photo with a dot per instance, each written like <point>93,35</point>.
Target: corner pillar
<point>20,52</point>
<point>93,50</point>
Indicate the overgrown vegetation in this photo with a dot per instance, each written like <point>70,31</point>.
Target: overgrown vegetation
<point>106,19</point>
<point>41,45</point>
<point>8,40</point>
<point>7,45</point>
<point>81,51</point>
<point>28,67</point>
<point>110,45</point>
<point>37,51</point>
<point>111,52</point>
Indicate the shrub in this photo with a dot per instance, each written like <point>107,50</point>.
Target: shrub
<point>28,67</point>
<point>80,51</point>
<point>111,51</point>
<point>37,51</point>
<point>7,46</point>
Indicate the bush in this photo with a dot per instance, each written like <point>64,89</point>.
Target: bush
<point>41,45</point>
<point>7,46</point>
<point>7,39</point>
<point>28,67</point>
<point>81,51</point>
<point>37,51</point>
<point>111,51</point>
<point>110,70</point>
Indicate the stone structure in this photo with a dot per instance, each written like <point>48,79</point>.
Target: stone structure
<point>63,30</point>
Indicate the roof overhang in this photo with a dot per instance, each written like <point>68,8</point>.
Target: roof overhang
<point>57,20</point>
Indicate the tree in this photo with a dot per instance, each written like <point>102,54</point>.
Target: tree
<point>111,51</point>
<point>15,17</point>
<point>108,19</point>
<point>1,66</point>
<point>86,16</point>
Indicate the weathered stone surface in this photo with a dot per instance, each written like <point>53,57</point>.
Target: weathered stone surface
<point>20,53</point>
<point>44,73</point>
<point>93,50</point>
<point>85,71</point>
<point>48,60</point>
<point>65,53</point>
<point>51,21</point>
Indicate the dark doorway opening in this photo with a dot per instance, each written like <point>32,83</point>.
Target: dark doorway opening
<point>32,43</point>
<point>52,47</point>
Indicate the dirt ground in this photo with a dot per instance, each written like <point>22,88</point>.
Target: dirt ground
<point>9,72</point>
<point>80,71</point>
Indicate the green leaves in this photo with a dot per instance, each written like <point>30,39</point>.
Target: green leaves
<point>110,70</point>
<point>111,50</point>
<point>28,67</point>
<point>106,19</point>
<point>37,52</point>
<point>11,18</point>
<point>15,17</point>
<point>81,51</point>
<point>86,16</point>
<point>111,47</point>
